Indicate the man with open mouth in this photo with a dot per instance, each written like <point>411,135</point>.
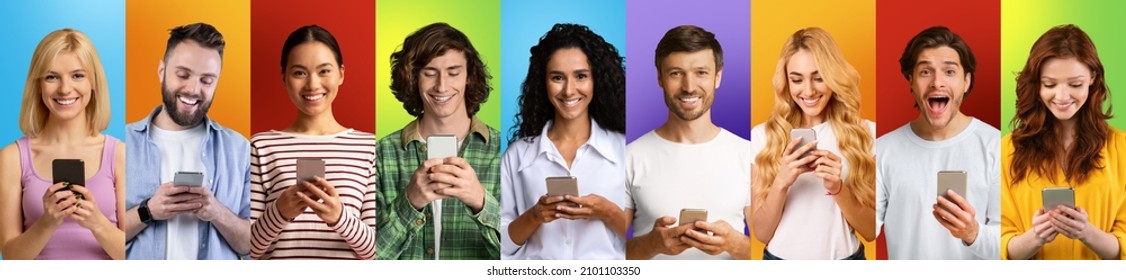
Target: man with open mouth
<point>920,222</point>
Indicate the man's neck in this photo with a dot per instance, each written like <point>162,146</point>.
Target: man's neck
<point>165,122</point>
<point>921,127</point>
<point>458,126</point>
<point>696,131</point>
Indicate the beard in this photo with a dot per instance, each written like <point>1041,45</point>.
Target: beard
<point>688,114</point>
<point>184,119</point>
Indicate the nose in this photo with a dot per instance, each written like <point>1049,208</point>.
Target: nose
<point>938,83</point>
<point>569,87</point>
<point>442,85</point>
<point>192,85</point>
<point>1062,92</point>
<point>687,83</point>
<point>312,82</point>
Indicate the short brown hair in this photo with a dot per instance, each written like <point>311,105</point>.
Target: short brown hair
<point>934,37</point>
<point>688,38</point>
<point>424,45</point>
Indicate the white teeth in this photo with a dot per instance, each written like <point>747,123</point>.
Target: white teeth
<point>571,102</point>
<point>810,101</point>
<point>66,101</point>
<point>689,99</point>
<point>442,98</point>
<point>314,97</point>
<point>189,101</point>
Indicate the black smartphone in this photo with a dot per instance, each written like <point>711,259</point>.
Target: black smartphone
<point>69,172</point>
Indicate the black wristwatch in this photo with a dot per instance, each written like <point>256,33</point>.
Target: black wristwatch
<point>143,212</point>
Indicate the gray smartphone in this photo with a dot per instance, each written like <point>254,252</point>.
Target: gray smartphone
<point>689,215</point>
<point>1058,195</point>
<point>807,135</point>
<point>565,185</point>
<point>952,180</point>
<point>309,168</point>
<point>441,146</point>
<point>188,178</point>
<point>69,172</point>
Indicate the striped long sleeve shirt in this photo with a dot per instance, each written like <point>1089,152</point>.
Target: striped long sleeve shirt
<point>349,159</point>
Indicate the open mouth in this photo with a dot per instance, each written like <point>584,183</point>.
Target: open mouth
<point>1063,105</point>
<point>571,102</point>
<point>689,99</point>
<point>811,100</point>
<point>938,103</point>
<point>190,101</point>
<point>314,97</point>
<point>441,99</point>
<point>66,101</point>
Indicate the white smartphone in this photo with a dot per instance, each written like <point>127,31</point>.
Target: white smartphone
<point>952,180</point>
<point>807,135</point>
<point>441,146</point>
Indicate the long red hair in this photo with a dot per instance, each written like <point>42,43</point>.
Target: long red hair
<point>1035,140</point>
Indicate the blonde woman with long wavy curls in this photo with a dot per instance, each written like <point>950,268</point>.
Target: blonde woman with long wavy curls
<point>832,189</point>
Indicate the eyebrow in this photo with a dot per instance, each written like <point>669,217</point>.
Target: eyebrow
<point>927,62</point>
<point>584,70</point>
<point>811,74</point>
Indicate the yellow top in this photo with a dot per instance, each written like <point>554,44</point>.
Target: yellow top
<point>1103,196</point>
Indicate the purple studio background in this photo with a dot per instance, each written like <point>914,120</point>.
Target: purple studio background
<point>647,21</point>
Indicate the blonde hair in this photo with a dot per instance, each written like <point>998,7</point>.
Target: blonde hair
<point>33,113</point>
<point>843,113</point>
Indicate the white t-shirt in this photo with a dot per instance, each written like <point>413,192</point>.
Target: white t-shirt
<point>812,225</point>
<point>665,177</point>
<point>907,186</point>
<point>181,151</point>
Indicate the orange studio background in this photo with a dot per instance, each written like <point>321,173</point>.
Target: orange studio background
<point>146,35</point>
<point>977,22</point>
<point>353,25</point>
<point>851,23</point>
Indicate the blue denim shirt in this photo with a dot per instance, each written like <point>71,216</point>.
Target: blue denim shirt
<point>226,159</point>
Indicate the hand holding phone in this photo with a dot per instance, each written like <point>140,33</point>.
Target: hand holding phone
<point>807,135</point>
<point>952,180</point>
<point>69,172</point>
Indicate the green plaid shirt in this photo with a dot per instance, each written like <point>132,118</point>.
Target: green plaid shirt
<point>408,234</point>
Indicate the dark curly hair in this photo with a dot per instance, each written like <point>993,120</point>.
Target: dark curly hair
<point>608,104</point>
<point>424,45</point>
<point>1036,144</point>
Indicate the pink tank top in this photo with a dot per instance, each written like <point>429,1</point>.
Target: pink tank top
<point>70,241</point>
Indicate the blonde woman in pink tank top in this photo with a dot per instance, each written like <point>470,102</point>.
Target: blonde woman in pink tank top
<point>65,106</point>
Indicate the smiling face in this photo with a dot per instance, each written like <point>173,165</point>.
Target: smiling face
<point>689,80</point>
<point>807,88</point>
<point>939,84</point>
<point>570,86</point>
<point>67,87</point>
<point>313,78</point>
<point>442,86</point>
<point>188,79</point>
<point>1064,86</point>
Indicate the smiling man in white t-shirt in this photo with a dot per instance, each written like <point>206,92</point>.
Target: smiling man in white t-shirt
<point>688,162</point>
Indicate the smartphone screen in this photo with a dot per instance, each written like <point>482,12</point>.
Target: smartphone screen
<point>441,146</point>
<point>309,168</point>
<point>952,180</point>
<point>807,135</point>
<point>567,185</point>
